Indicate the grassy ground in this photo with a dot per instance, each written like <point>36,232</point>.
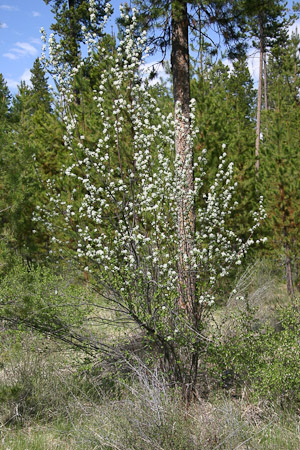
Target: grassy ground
<point>221,423</point>
<point>52,398</point>
<point>48,402</point>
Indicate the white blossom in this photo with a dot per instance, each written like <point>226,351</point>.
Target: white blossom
<point>127,231</point>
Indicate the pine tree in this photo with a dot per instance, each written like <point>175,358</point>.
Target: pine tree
<point>5,98</point>
<point>6,144</point>
<point>70,15</point>
<point>40,95</point>
<point>268,24</point>
<point>280,156</point>
<point>175,33</point>
<point>21,184</point>
<point>174,21</point>
<point>225,116</point>
<point>33,132</point>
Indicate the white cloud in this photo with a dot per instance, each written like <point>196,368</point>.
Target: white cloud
<point>8,8</point>
<point>20,50</point>
<point>26,75</point>
<point>24,49</point>
<point>36,41</point>
<point>159,70</point>
<point>3,25</point>
<point>154,65</point>
<point>36,14</point>
<point>13,84</point>
<point>10,56</point>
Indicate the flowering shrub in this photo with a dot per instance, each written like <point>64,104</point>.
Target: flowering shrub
<point>120,220</point>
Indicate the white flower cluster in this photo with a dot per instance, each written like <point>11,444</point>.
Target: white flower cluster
<point>123,213</point>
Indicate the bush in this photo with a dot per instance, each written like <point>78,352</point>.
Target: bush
<point>265,357</point>
<point>148,415</point>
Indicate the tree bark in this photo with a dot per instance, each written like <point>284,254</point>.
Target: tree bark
<point>74,47</point>
<point>286,246</point>
<point>73,34</point>
<point>184,152</point>
<point>265,82</point>
<point>259,101</point>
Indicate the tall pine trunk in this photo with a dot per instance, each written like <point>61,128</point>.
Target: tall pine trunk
<point>286,244</point>
<point>74,47</point>
<point>74,44</point>
<point>181,89</point>
<point>259,99</point>
<point>184,152</point>
<point>265,82</point>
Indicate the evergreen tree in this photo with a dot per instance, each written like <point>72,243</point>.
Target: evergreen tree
<point>227,17</point>
<point>40,95</point>
<point>280,156</point>
<point>267,26</point>
<point>5,98</point>
<point>174,19</point>
<point>70,15</point>
<point>226,106</point>
<point>20,179</point>
<point>31,141</point>
<point>5,151</point>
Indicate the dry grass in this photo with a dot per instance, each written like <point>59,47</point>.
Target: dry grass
<point>150,416</point>
<point>49,402</point>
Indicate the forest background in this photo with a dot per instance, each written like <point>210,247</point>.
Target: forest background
<point>232,345</point>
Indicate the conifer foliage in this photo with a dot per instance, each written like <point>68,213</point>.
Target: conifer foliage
<point>70,16</point>
<point>280,155</point>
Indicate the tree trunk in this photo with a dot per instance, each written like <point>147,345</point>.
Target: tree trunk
<point>297,274</point>
<point>73,34</point>
<point>74,47</point>
<point>259,101</point>
<point>265,82</point>
<point>288,262</point>
<point>184,153</point>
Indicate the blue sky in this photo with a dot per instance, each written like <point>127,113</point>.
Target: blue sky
<point>20,44</point>
<point>20,41</point>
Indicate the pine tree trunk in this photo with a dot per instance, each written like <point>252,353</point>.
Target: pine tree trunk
<point>184,152</point>
<point>297,275</point>
<point>259,101</point>
<point>186,213</point>
<point>74,48</point>
<point>74,45</point>
<point>265,82</point>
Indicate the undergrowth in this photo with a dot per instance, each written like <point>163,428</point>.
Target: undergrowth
<point>54,397</point>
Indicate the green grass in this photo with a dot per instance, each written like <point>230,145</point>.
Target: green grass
<point>221,423</point>
<point>52,399</point>
<point>35,437</point>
